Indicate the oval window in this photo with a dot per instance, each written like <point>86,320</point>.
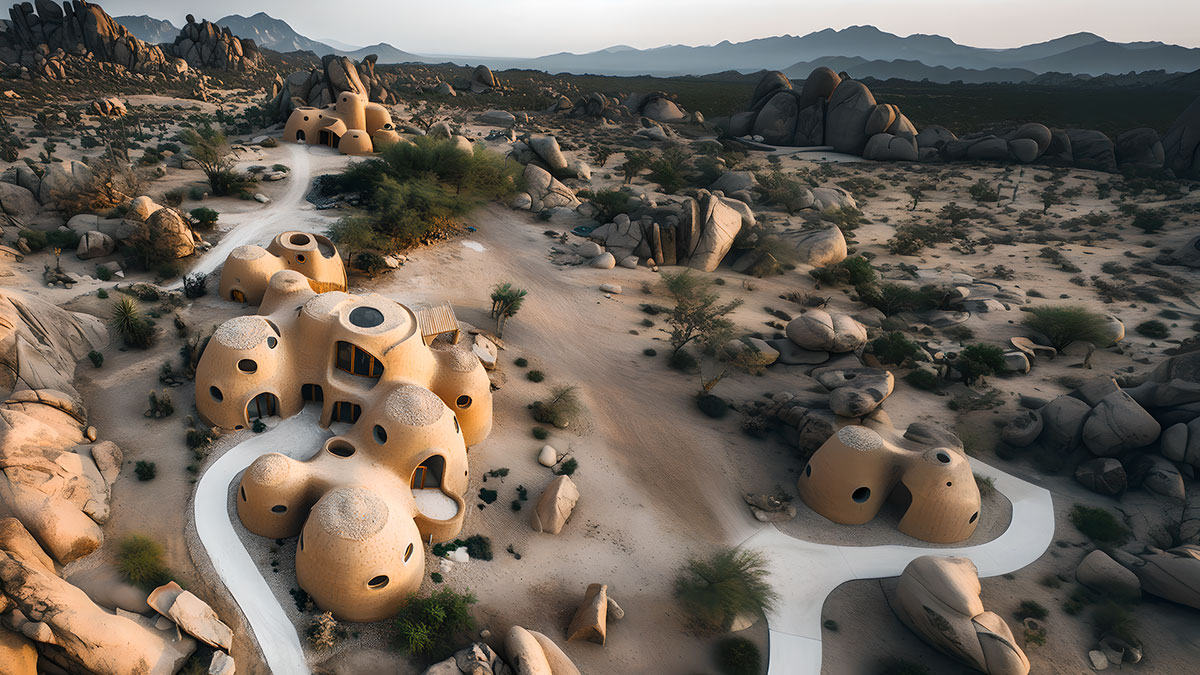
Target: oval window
<point>247,366</point>
<point>300,257</point>
<point>380,434</point>
<point>378,582</point>
<point>341,448</point>
<point>942,457</point>
<point>365,317</point>
<point>408,552</point>
<point>243,490</point>
<point>973,517</point>
<point>216,394</point>
<point>861,495</point>
<point>271,342</point>
<point>463,401</point>
<point>808,471</point>
<point>279,508</point>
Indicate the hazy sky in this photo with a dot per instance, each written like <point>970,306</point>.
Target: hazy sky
<point>539,27</point>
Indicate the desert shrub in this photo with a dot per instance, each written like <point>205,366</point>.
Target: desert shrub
<point>1099,525</point>
<point>983,191</point>
<point>127,319</point>
<point>847,218</point>
<point>738,656</point>
<point>1149,221</point>
<point>258,426</point>
<point>541,433</point>
<point>567,468</point>
<point>211,150</point>
<point>145,470</point>
<point>562,409</point>
<point>923,379</point>
<point>784,190</point>
<point>322,634</point>
<point>204,217</point>
<point>102,294</point>
<point>698,313</point>
<point>369,263</point>
<point>635,162</point>
<point>195,285</point>
<point>979,361</point>
<point>986,485</point>
<point>429,625</point>
<point>96,358</point>
<point>854,271</point>
<point>104,273</point>
<point>610,203</point>
<point>682,361</point>
<point>1050,581</point>
<point>1154,329</point>
<point>895,348</point>
<point>729,583</point>
<point>1113,619</point>
<point>1030,609</point>
<point>669,170</point>
<point>479,547</point>
<point>1064,324</point>
<point>892,299</point>
<point>140,562</point>
<point>535,376</point>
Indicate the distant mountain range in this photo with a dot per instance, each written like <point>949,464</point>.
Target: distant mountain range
<point>154,31</point>
<point>863,51</point>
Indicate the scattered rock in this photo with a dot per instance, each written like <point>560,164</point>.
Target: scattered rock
<point>555,505</point>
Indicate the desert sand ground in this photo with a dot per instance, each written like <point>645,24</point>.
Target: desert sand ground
<point>659,481</point>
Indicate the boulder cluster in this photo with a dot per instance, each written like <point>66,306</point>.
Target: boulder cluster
<point>832,110</point>
<point>207,45</point>
<point>529,653</point>
<point>74,39</point>
<point>657,106</point>
<point>1145,434</point>
<point>320,87</point>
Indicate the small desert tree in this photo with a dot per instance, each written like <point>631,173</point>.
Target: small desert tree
<point>731,582</point>
<point>1064,324</point>
<point>635,162</point>
<point>506,302</point>
<point>211,150</point>
<point>698,313</point>
<point>749,360</point>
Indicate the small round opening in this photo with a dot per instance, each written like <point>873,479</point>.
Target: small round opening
<point>247,366</point>
<point>463,401</point>
<point>378,582</point>
<point>949,484</point>
<point>341,448</point>
<point>300,239</point>
<point>271,342</point>
<point>216,394</point>
<point>942,457</point>
<point>808,471</point>
<point>408,552</point>
<point>239,427</point>
<point>279,508</point>
<point>861,495</point>
<point>300,257</point>
<point>973,517</point>
<point>366,317</point>
<point>380,434</point>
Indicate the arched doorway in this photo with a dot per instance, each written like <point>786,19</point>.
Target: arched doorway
<point>344,411</point>
<point>428,474</point>
<point>237,296</point>
<point>329,138</point>
<point>299,135</point>
<point>312,392</point>
<point>264,405</point>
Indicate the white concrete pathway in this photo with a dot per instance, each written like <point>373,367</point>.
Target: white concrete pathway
<point>298,437</point>
<point>805,573</point>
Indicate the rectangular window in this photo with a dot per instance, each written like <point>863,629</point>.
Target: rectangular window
<point>357,361</point>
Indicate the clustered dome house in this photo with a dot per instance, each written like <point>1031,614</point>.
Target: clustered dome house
<point>351,124</point>
<point>365,503</point>
<point>854,473</point>
<point>248,269</point>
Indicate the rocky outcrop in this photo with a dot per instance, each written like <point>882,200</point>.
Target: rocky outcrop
<point>657,106</point>
<point>1181,145</point>
<point>1099,572</point>
<point>483,80</point>
<point>167,233</point>
<point>555,506</point>
<point>59,40</point>
<point>207,45</point>
<point>938,598</point>
<point>1173,574</point>
<point>320,87</point>
<point>855,392</point>
<point>532,653</point>
<point>17,204</point>
<point>478,659</point>
<point>79,636</point>
<point>110,106</point>
<point>591,619</point>
<point>818,330</point>
<point>58,180</point>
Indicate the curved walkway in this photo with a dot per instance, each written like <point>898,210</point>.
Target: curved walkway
<point>805,573</point>
<point>272,629</point>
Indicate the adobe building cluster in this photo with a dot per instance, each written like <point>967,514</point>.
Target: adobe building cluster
<point>410,404</point>
<point>248,269</point>
<point>352,124</point>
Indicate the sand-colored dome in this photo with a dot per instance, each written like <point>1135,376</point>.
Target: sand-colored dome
<point>414,406</point>
<point>355,513</point>
<point>243,332</point>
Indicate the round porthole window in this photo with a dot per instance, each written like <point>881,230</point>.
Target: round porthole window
<point>300,239</point>
<point>463,402</point>
<point>943,457</point>
<point>247,366</point>
<point>341,448</point>
<point>366,317</point>
<point>279,508</point>
<point>300,257</point>
<point>216,394</point>
<point>378,582</point>
<point>861,495</point>
<point>380,434</point>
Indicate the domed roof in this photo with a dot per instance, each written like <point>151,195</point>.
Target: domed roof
<point>414,406</point>
<point>859,438</point>
<point>243,332</point>
<point>270,469</point>
<point>352,513</point>
<point>248,252</point>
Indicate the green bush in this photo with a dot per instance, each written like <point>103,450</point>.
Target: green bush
<point>541,433</point>
<point>895,348</point>
<point>1154,329</point>
<point>96,358</point>
<point>727,584</point>
<point>370,263</point>
<point>1064,324</point>
<point>979,361</point>
<point>258,426</point>
<point>892,299</point>
<point>145,471</point>
<point>738,656</point>
<point>479,547</point>
<point>1110,617</point>
<point>682,360</point>
<point>1099,525</point>
<point>854,271</point>
<point>127,319</point>
<point>535,376</point>
<point>520,362</point>
<point>1149,221</point>
<point>562,409</point>
<point>1030,609</point>
<point>669,169</point>
<point>609,203</point>
<point>923,379</point>
<point>103,273</point>
<point>205,217</point>
<point>487,496</point>
<point>140,562</point>
<point>568,467</point>
<point>983,191</point>
<point>429,625</point>
<point>102,294</point>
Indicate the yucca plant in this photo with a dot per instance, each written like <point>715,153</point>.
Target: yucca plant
<point>128,321</point>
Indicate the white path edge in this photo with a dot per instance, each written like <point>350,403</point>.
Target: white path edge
<point>272,629</point>
<point>805,573</point>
